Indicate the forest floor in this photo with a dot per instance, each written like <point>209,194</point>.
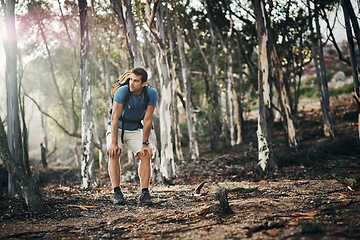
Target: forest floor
<point>313,193</point>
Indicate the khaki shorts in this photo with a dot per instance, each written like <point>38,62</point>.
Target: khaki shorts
<point>132,139</point>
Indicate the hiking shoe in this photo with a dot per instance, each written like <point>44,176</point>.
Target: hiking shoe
<point>119,198</point>
<point>145,198</point>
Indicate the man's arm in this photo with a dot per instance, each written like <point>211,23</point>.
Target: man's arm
<point>114,150</point>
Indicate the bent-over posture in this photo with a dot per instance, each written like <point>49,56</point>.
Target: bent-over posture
<point>132,103</point>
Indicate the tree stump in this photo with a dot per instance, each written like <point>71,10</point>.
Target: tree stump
<point>221,195</point>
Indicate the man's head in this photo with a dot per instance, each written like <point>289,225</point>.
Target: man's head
<point>139,71</point>
<point>138,80</point>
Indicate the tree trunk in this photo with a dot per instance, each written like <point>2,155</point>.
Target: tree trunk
<point>263,132</point>
<point>321,76</point>
<point>327,115</point>
<point>87,138</point>
<point>57,89</point>
<point>193,144</point>
<point>124,12</point>
<point>29,188</point>
<point>235,120</point>
<point>284,101</point>
<point>176,126</point>
<point>212,89</point>
<point>354,65</point>
<point>25,136</point>
<point>13,121</point>
<point>167,166</point>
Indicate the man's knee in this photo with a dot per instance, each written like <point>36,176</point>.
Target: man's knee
<point>115,160</point>
<point>145,158</point>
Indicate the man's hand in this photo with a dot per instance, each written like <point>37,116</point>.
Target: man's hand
<point>146,149</point>
<point>114,151</point>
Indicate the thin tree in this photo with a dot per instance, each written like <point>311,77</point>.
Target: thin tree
<point>319,63</point>
<point>175,85</point>
<point>211,85</point>
<point>348,12</point>
<point>87,135</point>
<point>263,132</point>
<point>167,165</point>
<point>124,12</point>
<point>193,144</point>
<point>284,100</point>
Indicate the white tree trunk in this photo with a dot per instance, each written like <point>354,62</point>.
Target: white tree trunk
<point>167,166</point>
<point>264,85</point>
<point>13,120</point>
<point>130,32</point>
<point>87,126</point>
<point>176,126</point>
<point>193,144</point>
<point>230,99</point>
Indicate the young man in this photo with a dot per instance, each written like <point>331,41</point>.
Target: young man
<point>123,112</point>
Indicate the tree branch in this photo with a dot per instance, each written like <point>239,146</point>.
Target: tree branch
<point>323,15</point>
<point>74,134</point>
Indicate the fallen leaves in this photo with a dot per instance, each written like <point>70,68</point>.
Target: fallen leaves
<point>272,233</point>
<point>83,207</point>
<point>301,216</point>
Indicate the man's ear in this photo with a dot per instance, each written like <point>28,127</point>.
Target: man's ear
<point>143,84</point>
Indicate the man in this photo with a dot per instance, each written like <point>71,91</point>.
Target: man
<point>123,112</point>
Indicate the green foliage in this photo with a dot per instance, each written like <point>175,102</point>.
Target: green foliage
<point>336,68</point>
<point>329,75</point>
<point>310,81</point>
<point>308,92</point>
<point>338,91</point>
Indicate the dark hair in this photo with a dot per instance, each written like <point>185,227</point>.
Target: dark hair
<point>139,71</point>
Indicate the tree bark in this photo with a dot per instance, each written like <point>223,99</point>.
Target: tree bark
<point>193,144</point>
<point>284,101</point>
<point>263,132</point>
<point>327,114</point>
<point>13,120</point>
<point>176,126</point>
<point>87,125</point>
<point>167,166</point>
<point>124,12</point>
<point>321,75</point>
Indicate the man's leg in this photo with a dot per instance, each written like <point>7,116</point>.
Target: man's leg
<point>144,171</point>
<point>114,169</point>
<point>114,172</point>
<point>134,142</point>
<point>144,174</point>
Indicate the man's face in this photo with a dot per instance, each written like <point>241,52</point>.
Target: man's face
<point>135,83</point>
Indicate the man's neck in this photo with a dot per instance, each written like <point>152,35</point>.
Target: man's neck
<point>137,94</point>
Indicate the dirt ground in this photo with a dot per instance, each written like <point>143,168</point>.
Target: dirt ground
<point>312,193</point>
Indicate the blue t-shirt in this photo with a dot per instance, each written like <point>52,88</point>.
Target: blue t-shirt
<point>135,108</point>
